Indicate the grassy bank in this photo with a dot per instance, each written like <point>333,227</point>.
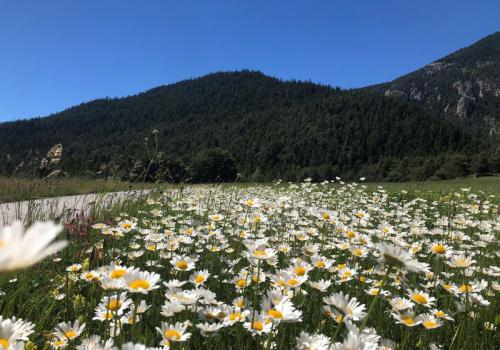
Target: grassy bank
<point>16,189</point>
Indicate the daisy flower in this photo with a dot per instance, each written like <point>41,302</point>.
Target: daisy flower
<point>401,304</point>
<point>461,261</point>
<point>174,332</point>
<point>209,329</point>
<point>283,311</point>
<point>19,249</point>
<point>69,331</point>
<point>393,255</point>
<point>350,308</point>
<point>234,315</point>
<point>170,308</point>
<point>141,281</point>
<point>258,325</point>
<point>312,342</point>
<point>430,321</point>
<point>200,277</point>
<point>407,318</point>
<point>420,297</point>
<point>183,263</point>
<point>127,225</point>
<point>114,271</point>
<point>441,314</point>
<point>321,285</point>
<point>321,262</point>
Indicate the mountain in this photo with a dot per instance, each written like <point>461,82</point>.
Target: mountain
<point>464,86</point>
<point>436,122</point>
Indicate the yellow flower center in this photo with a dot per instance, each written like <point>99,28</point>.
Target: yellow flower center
<point>465,288</point>
<point>429,324</point>
<point>351,234</point>
<point>419,298</point>
<point>4,343</point>
<point>70,334</point>
<point>325,216</point>
<point>118,273</point>
<point>241,282</point>
<point>235,316</point>
<point>199,279</point>
<point>357,252</point>
<point>300,270</point>
<point>240,303</point>
<point>182,265</point>
<point>172,334</point>
<point>346,274</point>
<point>275,313</point>
<point>114,305</point>
<point>320,264</point>
<point>439,313</point>
<point>259,252</point>
<point>408,320</point>
<point>292,282</point>
<point>258,326</point>
<point>127,226</point>
<point>139,284</point>
<point>439,249</point>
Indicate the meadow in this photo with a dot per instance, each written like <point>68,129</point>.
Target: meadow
<point>14,189</point>
<point>280,266</point>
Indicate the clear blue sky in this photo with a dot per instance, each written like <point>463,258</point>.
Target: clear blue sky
<point>55,54</point>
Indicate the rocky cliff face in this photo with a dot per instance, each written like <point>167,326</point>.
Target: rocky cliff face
<point>464,85</point>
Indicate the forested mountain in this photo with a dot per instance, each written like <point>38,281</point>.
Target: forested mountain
<point>463,86</point>
<point>213,127</point>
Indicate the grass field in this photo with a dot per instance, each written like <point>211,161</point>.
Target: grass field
<point>18,189</point>
<point>290,266</point>
<point>489,184</point>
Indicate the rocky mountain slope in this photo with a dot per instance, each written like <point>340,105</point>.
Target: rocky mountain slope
<point>463,86</point>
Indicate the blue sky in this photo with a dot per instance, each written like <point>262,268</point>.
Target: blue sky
<point>55,54</point>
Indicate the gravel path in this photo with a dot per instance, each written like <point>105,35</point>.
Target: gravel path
<point>60,208</point>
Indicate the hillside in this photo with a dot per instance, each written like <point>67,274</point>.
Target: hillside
<point>439,121</point>
<point>463,86</point>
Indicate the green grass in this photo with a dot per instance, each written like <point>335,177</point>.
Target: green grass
<point>19,189</point>
<point>488,185</point>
